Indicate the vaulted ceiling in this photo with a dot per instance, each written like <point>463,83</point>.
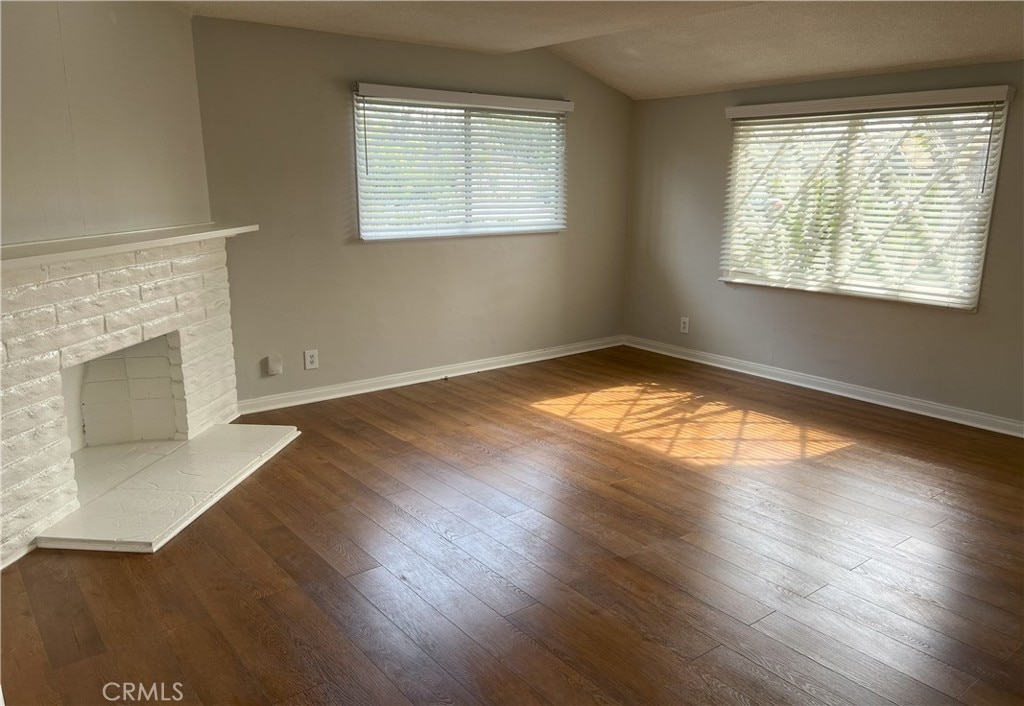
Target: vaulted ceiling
<point>661,49</point>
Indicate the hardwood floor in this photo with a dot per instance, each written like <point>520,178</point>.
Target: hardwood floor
<point>613,527</point>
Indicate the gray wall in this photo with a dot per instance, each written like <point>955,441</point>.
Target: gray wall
<point>101,128</point>
<point>277,125</point>
<point>101,133</point>
<point>680,165</point>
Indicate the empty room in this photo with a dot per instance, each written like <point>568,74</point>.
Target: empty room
<point>563,353</point>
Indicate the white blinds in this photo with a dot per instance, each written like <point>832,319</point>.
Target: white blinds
<point>430,168</point>
<point>891,204</point>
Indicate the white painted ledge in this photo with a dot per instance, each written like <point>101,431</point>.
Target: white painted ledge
<point>161,488</point>
<point>18,255</point>
<point>967,417</point>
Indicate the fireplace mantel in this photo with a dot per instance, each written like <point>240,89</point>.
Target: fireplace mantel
<point>18,255</point>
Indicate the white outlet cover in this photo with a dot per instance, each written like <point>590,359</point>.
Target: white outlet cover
<point>311,359</point>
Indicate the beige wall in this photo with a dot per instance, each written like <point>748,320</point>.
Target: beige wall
<point>101,125</point>
<point>101,133</point>
<point>680,165</point>
<point>277,125</point>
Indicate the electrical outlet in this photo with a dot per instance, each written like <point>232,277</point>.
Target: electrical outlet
<point>311,359</point>
<point>684,324</point>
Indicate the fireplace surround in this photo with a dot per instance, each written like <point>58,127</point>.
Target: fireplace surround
<point>74,302</point>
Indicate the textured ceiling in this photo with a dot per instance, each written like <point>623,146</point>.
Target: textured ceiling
<point>660,49</point>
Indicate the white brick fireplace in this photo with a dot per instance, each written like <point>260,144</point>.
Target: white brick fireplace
<point>71,313</point>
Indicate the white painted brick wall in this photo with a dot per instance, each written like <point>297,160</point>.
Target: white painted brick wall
<point>171,287</point>
<point>175,322</point>
<point>115,279</point>
<point>170,252</point>
<point>29,369</point>
<point>212,412</point>
<point>30,392</point>
<point>218,276</point>
<point>125,318</point>
<point>17,472</point>
<point>103,392</point>
<point>26,443</point>
<point>47,293</point>
<point>33,415</point>
<point>54,338</point>
<point>148,367</point>
<point>90,265</point>
<point>61,493</point>
<point>97,304</point>
<point>22,277</point>
<point>100,346</point>
<point>23,322</point>
<point>199,263</point>
<point>59,315</point>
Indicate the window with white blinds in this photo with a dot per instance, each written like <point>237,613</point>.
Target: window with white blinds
<point>440,163</point>
<point>887,197</point>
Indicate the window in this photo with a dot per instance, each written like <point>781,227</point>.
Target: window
<point>440,163</point>
<point>887,197</point>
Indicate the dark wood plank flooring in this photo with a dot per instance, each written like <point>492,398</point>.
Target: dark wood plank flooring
<point>613,527</point>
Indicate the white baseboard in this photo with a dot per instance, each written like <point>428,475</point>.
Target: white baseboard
<point>358,387</point>
<point>980,420</point>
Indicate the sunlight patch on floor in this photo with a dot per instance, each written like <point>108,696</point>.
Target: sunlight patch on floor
<point>693,427</point>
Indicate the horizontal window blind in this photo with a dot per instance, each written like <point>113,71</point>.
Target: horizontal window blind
<point>428,169</point>
<point>891,204</point>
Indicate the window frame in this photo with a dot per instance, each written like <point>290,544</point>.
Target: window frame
<point>473,104</point>
<point>836,110</point>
